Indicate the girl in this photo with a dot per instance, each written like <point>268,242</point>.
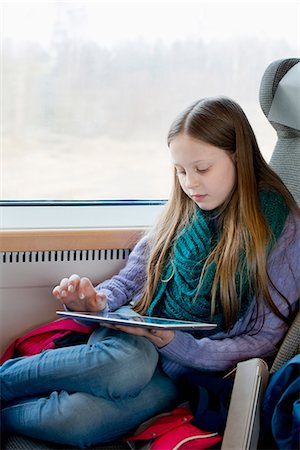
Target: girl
<point>225,249</point>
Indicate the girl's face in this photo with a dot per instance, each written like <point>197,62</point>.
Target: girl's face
<point>206,173</point>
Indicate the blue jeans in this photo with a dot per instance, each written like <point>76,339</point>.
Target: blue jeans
<point>85,394</point>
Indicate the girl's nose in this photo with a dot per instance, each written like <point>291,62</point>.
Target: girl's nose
<point>191,180</point>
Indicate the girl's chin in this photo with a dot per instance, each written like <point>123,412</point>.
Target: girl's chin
<point>207,207</point>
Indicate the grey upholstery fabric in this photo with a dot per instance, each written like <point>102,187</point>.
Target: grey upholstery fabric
<point>290,345</point>
<point>285,159</point>
<point>18,442</point>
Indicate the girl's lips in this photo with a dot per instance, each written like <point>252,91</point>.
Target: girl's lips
<point>198,197</point>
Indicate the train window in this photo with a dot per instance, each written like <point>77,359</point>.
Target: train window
<point>89,88</point>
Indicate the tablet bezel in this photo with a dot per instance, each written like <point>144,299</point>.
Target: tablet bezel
<point>132,320</point>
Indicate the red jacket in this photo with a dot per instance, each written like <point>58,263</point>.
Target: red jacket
<point>43,338</point>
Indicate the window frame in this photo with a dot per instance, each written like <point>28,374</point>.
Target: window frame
<point>79,214</point>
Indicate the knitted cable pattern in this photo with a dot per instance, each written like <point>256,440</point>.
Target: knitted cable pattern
<point>178,296</point>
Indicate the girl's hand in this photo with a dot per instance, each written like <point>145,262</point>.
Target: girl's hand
<point>78,294</point>
<point>160,338</point>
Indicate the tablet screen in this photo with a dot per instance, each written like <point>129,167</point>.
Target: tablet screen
<point>138,321</point>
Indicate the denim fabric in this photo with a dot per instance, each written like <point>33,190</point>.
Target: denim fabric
<point>85,394</point>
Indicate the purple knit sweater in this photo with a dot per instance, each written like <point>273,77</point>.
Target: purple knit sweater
<point>246,339</point>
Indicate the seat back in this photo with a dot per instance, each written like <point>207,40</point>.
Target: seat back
<point>290,345</point>
<point>280,101</point>
<point>279,98</point>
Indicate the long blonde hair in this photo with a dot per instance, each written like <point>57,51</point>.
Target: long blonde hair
<point>222,123</point>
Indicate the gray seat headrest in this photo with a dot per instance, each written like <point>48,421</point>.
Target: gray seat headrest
<point>279,98</point>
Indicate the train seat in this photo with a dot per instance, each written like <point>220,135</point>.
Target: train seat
<point>280,101</point>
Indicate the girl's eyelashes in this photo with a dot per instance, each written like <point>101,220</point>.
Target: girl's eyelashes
<point>197,169</point>
<point>202,170</point>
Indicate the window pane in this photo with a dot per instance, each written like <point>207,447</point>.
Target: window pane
<point>89,89</point>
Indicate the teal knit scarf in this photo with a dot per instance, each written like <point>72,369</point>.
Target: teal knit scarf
<point>177,296</point>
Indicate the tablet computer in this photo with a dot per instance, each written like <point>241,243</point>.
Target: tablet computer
<point>135,320</point>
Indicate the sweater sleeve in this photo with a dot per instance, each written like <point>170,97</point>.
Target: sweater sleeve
<point>249,337</point>
<point>127,286</point>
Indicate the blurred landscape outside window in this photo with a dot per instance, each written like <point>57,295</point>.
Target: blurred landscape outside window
<point>89,89</point>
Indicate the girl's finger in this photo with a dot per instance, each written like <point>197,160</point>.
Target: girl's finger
<point>62,289</point>
<point>64,282</point>
<point>56,291</point>
<point>86,289</point>
<point>74,282</point>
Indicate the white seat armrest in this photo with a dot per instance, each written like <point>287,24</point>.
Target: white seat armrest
<point>242,426</point>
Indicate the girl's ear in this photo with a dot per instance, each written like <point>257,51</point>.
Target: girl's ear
<point>234,157</point>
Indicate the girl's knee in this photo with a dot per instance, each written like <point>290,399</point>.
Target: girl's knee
<point>133,363</point>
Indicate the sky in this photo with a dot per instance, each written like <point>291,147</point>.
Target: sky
<point>112,22</point>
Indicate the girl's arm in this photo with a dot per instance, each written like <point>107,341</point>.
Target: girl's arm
<point>224,351</point>
<point>128,284</point>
